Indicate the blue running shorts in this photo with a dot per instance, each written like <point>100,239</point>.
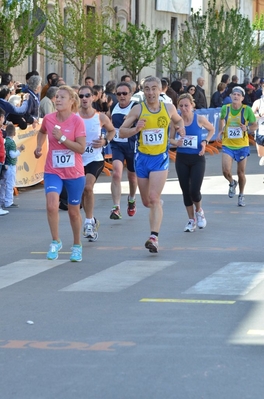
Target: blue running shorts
<point>74,187</point>
<point>144,163</point>
<point>237,155</point>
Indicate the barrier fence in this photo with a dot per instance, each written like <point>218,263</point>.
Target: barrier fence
<point>30,170</point>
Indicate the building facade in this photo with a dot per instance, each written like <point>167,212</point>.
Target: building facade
<point>166,15</point>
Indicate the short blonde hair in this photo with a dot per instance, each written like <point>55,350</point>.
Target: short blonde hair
<point>73,95</point>
<point>188,96</point>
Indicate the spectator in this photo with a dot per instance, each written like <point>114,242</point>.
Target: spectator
<point>9,108</point>
<point>125,78</point>
<point>89,81</point>
<point>199,95</point>
<point>52,79</point>
<point>9,180</point>
<point>225,79</point>
<point>248,95</point>
<point>163,96</point>
<point>2,156</point>
<point>217,97</point>
<point>99,99</point>
<point>47,104</point>
<point>19,120</point>
<point>231,85</point>
<point>110,91</point>
<point>34,87</point>
<point>184,84</point>
<point>176,85</point>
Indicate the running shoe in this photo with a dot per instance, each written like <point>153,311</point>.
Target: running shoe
<point>232,189</point>
<point>115,213</point>
<point>76,255</point>
<point>90,230</point>
<point>241,200</point>
<point>152,244</point>
<point>131,207</point>
<point>3,212</point>
<point>261,161</point>
<point>201,221</point>
<point>190,226</point>
<point>54,249</point>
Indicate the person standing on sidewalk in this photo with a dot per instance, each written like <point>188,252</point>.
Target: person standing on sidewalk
<point>236,122</point>
<point>66,135</point>
<point>190,160</point>
<point>2,155</point>
<point>9,179</point>
<point>92,157</point>
<point>152,118</point>
<point>123,149</point>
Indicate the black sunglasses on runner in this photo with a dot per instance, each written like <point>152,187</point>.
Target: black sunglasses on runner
<point>87,95</point>
<point>125,93</point>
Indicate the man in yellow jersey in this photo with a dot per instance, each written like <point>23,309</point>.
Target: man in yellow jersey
<point>236,122</point>
<point>152,119</point>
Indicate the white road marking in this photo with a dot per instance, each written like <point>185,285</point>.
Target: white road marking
<point>25,268</point>
<point>119,277</point>
<point>236,278</point>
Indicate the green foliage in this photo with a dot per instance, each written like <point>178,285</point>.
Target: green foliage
<point>179,56</point>
<point>218,37</point>
<point>135,48</point>
<point>18,31</point>
<point>78,36</point>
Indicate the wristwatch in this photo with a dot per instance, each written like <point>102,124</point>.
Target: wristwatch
<point>205,141</point>
<point>62,139</point>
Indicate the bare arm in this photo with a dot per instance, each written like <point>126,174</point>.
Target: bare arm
<point>203,122</point>
<point>176,119</point>
<point>41,138</point>
<point>126,130</point>
<point>221,129</point>
<point>107,124</point>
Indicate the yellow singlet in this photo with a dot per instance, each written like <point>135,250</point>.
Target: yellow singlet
<point>153,139</point>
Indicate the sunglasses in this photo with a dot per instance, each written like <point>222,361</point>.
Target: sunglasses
<point>87,95</point>
<point>125,93</point>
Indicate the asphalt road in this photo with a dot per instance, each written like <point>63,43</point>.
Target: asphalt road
<point>186,323</point>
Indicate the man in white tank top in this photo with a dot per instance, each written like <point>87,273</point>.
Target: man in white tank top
<point>93,159</point>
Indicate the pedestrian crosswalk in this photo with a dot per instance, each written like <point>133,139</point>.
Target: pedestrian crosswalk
<point>23,269</point>
<point>238,279</point>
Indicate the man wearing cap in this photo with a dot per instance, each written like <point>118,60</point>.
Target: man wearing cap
<point>237,120</point>
<point>248,94</point>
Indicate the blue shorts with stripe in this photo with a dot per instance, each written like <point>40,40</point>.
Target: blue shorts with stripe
<point>144,163</point>
<point>74,187</point>
<point>238,155</point>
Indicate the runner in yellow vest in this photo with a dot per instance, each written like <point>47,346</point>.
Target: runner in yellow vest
<point>152,118</point>
<point>236,122</point>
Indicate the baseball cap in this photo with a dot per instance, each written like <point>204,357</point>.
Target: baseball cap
<point>238,89</point>
<point>261,81</point>
<point>249,86</point>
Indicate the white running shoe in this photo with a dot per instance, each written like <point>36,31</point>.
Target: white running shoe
<point>190,226</point>
<point>201,221</point>
<point>241,200</point>
<point>3,212</point>
<point>232,189</point>
<point>261,161</point>
<point>90,230</point>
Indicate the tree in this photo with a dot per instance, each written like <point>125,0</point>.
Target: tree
<point>250,57</point>
<point>134,49</point>
<point>78,36</point>
<point>218,37</point>
<point>20,25</point>
<point>180,56</point>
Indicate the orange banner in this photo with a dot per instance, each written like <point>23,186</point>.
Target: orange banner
<point>30,170</point>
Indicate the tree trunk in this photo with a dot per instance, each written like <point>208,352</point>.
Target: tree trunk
<point>213,86</point>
